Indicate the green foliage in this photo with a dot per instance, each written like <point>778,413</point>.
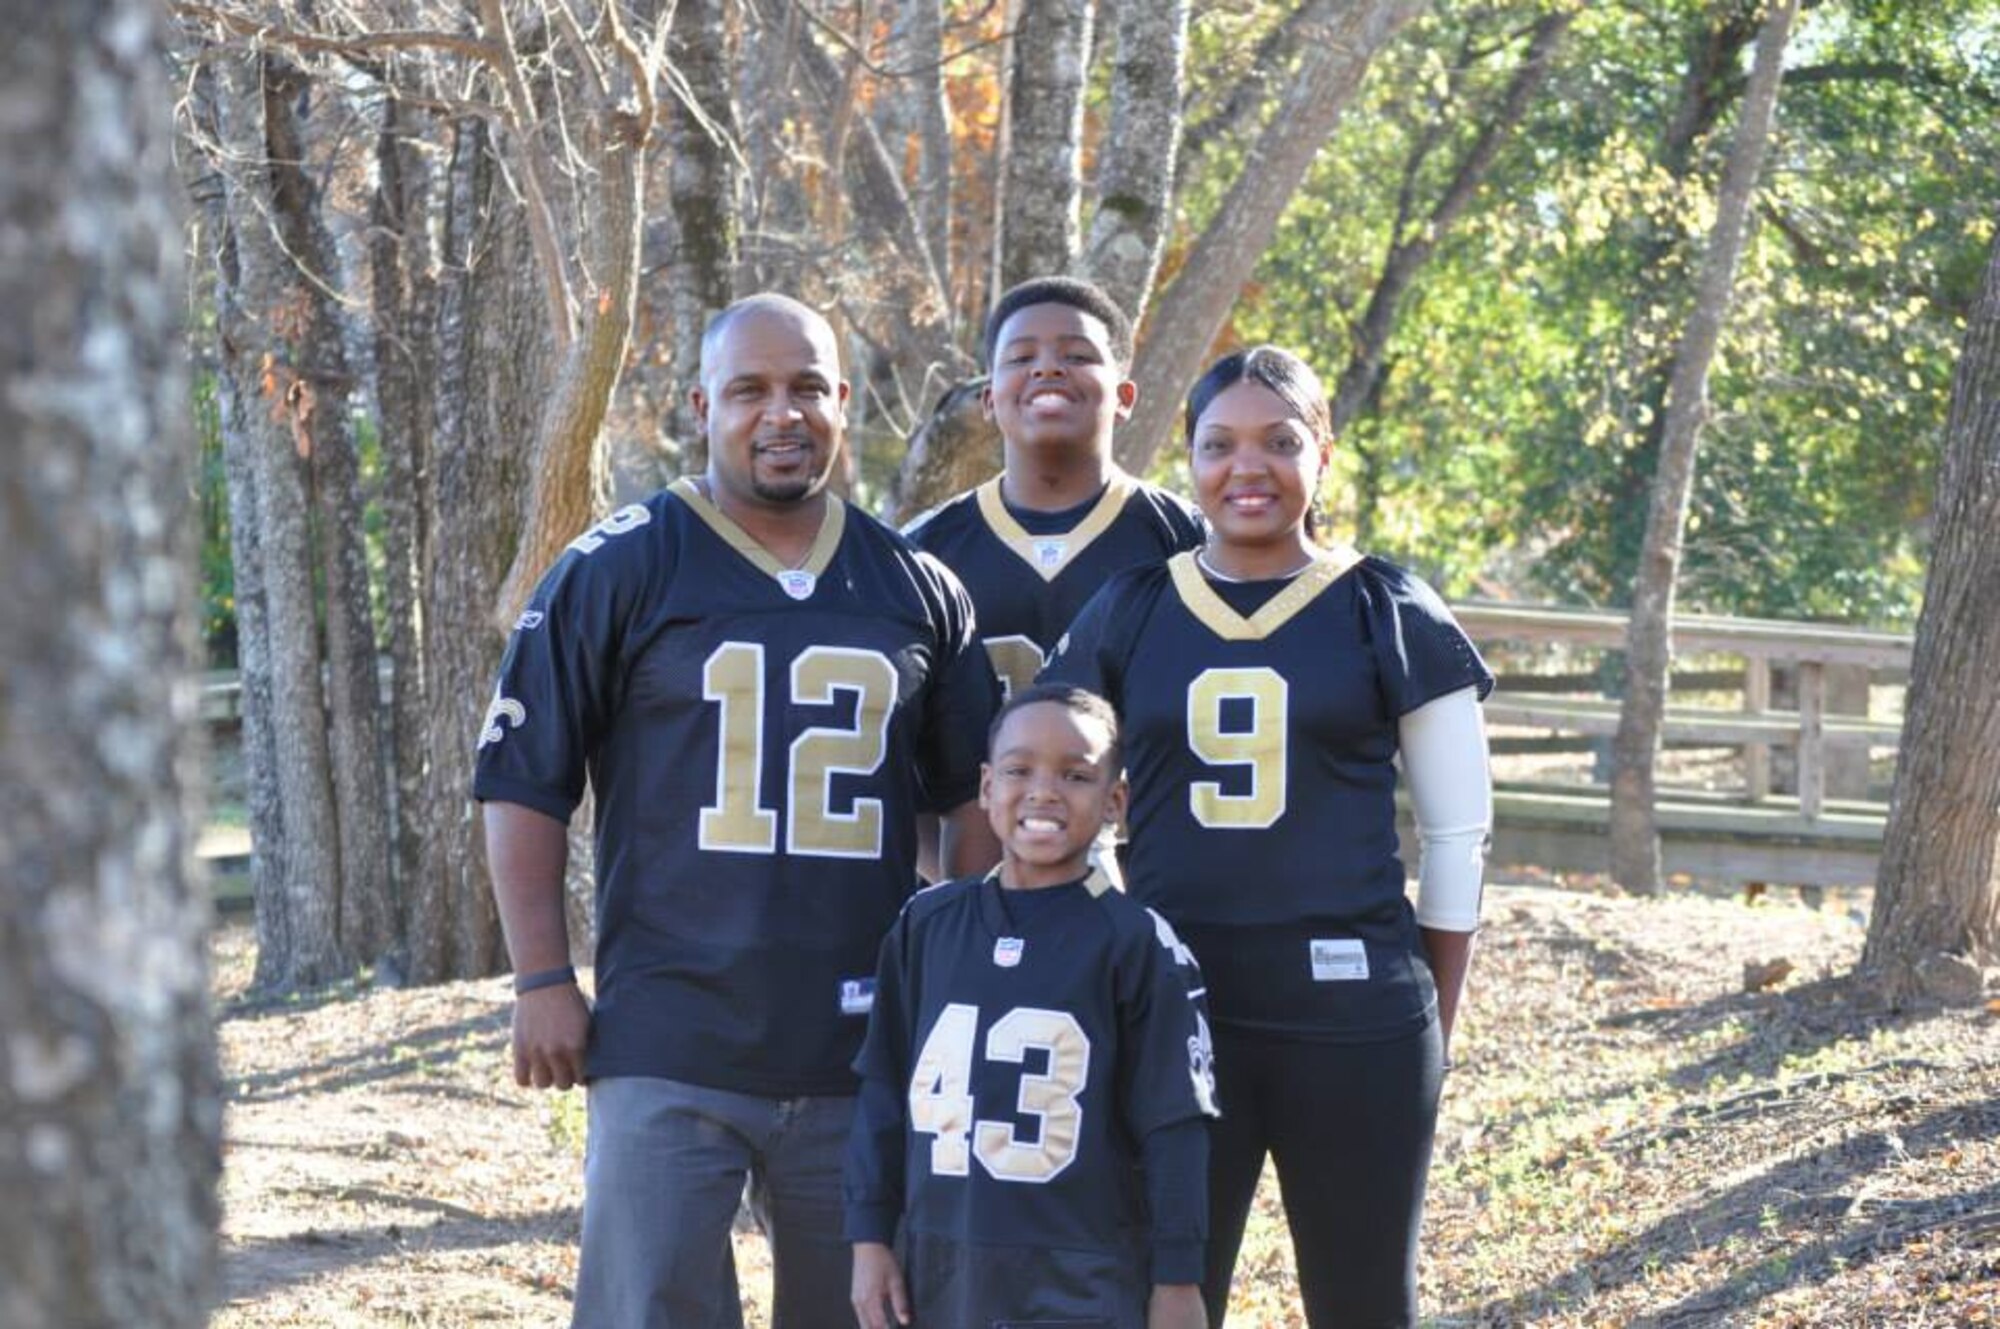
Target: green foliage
<point>1511,443</point>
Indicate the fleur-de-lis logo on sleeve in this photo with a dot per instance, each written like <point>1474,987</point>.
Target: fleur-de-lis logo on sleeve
<point>503,709</point>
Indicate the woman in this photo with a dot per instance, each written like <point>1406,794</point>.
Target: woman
<point>1267,686</point>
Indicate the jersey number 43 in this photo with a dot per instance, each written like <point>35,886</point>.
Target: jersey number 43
<point>941,1093</point>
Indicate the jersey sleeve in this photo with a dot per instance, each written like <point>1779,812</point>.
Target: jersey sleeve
<point>1166,1086</point>
<point>872,1177</point>
<point>963,697</point>
<point>1421,653</point>
<point>1166,1065</point>
<point>558,679</point>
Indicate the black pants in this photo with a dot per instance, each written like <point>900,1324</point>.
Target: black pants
<point>1350,1127</point>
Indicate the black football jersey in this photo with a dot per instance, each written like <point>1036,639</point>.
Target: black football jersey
<point>1260,734</point>
<point>759,740</point>
<point>1028,1041</point>
<point>1029,572</point>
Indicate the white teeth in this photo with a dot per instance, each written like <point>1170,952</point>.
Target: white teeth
<point>1040,824</point>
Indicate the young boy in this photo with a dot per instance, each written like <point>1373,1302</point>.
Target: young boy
<point>1036,541</point>
<point>1036,1071</point>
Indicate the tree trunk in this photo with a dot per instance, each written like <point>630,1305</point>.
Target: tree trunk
<point>492,354</point>
<point>925,48</point>
<point>1412,246</point>
<point>1938,893</point>
<point>296,871</point>
<point>109,1120</point>
<point>1339,41</point>
<point>955,448</point>
<point>1135,164</point>
<point>567,483</point>
<point>1635,841</point>
<point>246,554</point>
<point>400,260</point>
<point>1041,141</point>
<point>703,188</point>
<point>324,431</point>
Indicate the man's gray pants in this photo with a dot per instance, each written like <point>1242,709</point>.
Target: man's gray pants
<point>664,1169</point>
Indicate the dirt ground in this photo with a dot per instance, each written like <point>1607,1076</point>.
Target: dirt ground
<point>1630,1137</point>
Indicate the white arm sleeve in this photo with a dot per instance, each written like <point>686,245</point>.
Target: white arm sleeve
<point>1451,792</point>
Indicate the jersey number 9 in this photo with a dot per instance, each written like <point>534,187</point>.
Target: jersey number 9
<point>1256,741</point>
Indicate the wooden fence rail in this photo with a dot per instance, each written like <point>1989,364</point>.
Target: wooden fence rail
<point>1815,837</point>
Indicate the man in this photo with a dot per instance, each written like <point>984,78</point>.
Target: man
<point>1036,541</point>
<point>764,687</point>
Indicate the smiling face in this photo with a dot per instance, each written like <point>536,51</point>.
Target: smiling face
<point>1256,467</point>
<point>773,407</point>
<point>1056,383</point>
<point>1048,789</point>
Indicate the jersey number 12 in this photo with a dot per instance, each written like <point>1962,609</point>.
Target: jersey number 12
<point>733,679</point>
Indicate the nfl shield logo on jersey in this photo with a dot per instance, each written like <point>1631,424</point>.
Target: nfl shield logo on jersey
<point>798,583</point>
<point>1050,553</point>
<point>1007,951</point>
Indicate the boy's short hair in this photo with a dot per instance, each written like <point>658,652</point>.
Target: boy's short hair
<point>1075,700</point>
<point>1075,292</point>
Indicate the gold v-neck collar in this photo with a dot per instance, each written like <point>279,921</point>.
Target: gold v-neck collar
<point>746,544</point>
<point>1048,555</point>
<point>1217,616</point>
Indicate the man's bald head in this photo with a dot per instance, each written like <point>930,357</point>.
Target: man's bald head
<point>767,305</point>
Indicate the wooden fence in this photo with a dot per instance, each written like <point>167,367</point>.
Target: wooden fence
<point>1827,830</point>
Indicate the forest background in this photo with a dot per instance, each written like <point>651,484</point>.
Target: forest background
<point>455,262</point>
<point>1600,327</point>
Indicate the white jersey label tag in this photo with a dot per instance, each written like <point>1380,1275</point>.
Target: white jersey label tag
<point>798,583</point>
<point>857,996</point>
<point>1338,959</point>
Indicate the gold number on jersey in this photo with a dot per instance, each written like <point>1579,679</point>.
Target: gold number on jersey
<point>941,1093</point>
<point>733,678</point>
<point>1260,746</point>
<point>822,751</point>
<point>1051,1097</point>
<point>628,518</point>
<point>1016,660</point>
<point>941,1090</point>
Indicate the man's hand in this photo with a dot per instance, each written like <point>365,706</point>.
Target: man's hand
<point>551,1026</point>
<point>878,1280</point>
<point>1176,1306</point>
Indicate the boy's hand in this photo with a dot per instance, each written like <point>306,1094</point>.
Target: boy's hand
<point>877,1280</point>
<point>1176,1306</point>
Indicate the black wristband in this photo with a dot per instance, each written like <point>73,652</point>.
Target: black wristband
<point>543,978</point>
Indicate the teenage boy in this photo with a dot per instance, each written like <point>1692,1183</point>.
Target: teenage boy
<point>1033,543</point>
<point>1036,1070</point>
